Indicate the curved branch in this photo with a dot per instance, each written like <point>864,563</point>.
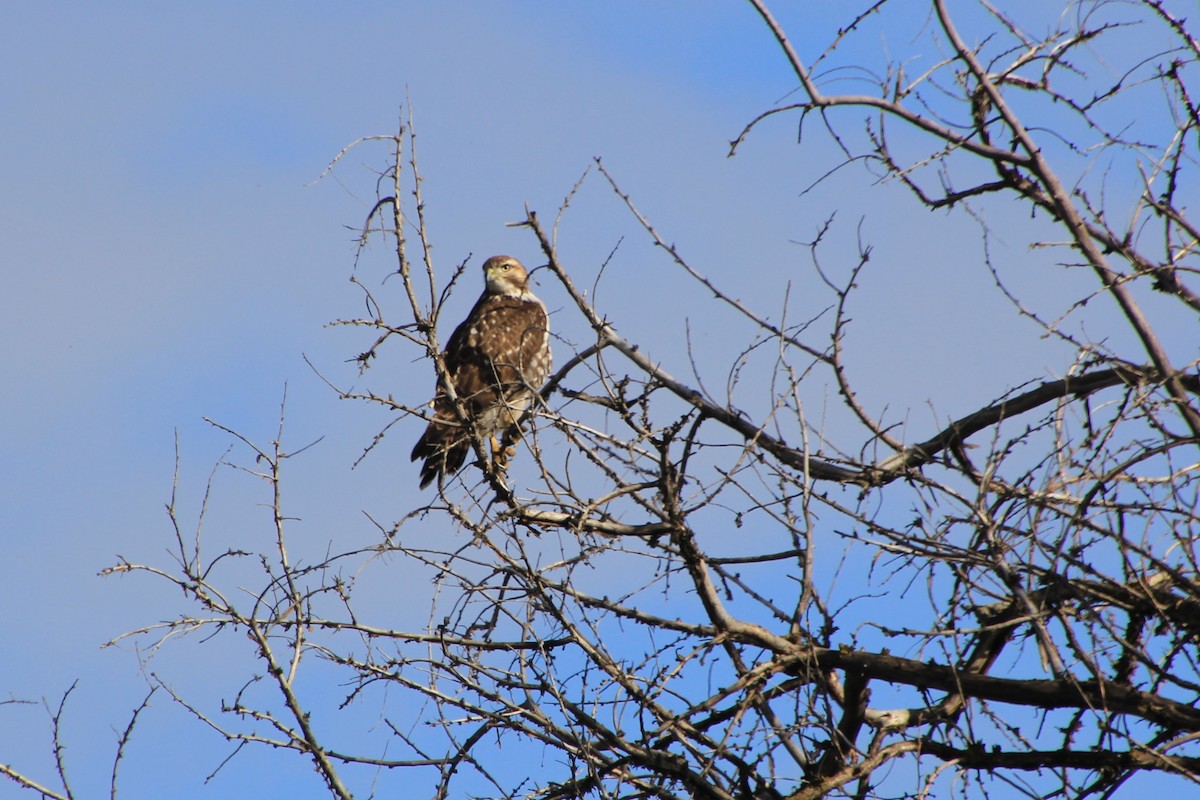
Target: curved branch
<point>1094,695</point>
<point>1077,386</point>
<point>818,100</point>
<point>1106,760</point>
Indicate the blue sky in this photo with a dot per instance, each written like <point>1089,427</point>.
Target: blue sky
<point>168,255</point>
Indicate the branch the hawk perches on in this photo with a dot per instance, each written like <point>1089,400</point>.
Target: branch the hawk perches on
<point>496,361</point>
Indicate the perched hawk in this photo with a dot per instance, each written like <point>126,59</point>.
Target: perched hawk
<point>496,360</point>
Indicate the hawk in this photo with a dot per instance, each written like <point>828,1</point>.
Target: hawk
<point>496,361</point>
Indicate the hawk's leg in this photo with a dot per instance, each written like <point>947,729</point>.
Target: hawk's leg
<point>505,448</point>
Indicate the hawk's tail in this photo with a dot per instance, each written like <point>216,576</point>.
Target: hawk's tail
<point>443,448</point>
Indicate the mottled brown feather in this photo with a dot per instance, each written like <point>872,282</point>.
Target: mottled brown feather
<point>496,360</point>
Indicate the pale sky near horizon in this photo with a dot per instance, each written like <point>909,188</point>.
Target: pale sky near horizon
<point>168,254</point>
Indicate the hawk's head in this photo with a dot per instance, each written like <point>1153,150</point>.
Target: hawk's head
<point>505,275</point>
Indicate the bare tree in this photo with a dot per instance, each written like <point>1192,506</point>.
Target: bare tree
<point>680,593</point>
